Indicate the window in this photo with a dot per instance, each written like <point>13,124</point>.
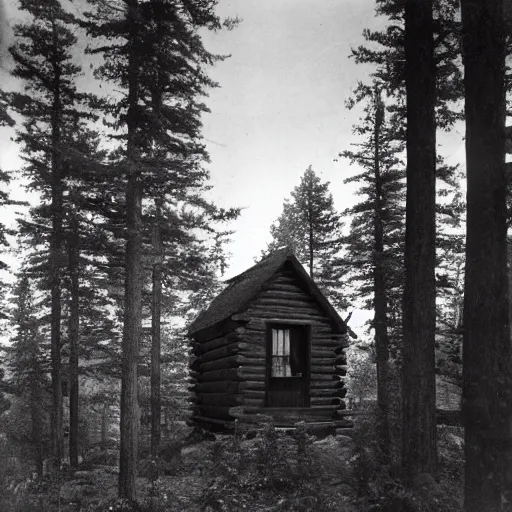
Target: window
<point>287,365</point>
<point>281,353</point>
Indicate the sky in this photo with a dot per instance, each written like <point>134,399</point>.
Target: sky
<point>280,107</point>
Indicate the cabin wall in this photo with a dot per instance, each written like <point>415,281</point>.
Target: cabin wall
<point>230,371</point>
<point>285,301</point>
<point>227,371</point>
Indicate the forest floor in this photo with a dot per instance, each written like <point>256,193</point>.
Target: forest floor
<point>270,472</point>
<point>259,474</point>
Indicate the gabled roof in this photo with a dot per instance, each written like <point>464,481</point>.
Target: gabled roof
<point>246,286</point>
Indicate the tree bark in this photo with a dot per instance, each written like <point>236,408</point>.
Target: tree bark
<point>156,405</point>
<point>130,345</point>
<point>380,294</point>
<point>36,417</point>
<point>74,326</point>
<point>55,260</point>
<point>487,404</point>
<point>133,278</point>
<point>419,391</point>
<point>311,239</point>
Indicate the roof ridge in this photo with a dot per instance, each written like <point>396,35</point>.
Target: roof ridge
<point>266,259</point>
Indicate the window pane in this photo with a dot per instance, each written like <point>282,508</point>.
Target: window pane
<point>277,367</point>
<point>274,342</point>
<point>281,353</point>
<point>280,342</point>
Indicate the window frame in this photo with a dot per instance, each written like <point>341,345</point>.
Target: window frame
<point>285,356</point>
<point>307,331</point>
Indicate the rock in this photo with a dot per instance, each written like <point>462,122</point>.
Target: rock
<point>105,470</point>
<point>199,435</point>
<point>329,440</point>
<point>196,452</point>
<point>456,440</point>
<point>345,489</point>
<point>190,451</point>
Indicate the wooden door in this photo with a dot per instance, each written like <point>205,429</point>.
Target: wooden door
<point>288,366</point>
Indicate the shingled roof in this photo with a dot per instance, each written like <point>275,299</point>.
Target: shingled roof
<point>244,287</point>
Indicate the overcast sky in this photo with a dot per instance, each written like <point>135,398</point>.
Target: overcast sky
<point>280,107</point>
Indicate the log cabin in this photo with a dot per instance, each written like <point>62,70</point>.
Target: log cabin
<point>269,347</point>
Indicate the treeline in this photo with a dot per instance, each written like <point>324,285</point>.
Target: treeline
<point>124,236</point>
<point>430,60</point>
<point>124,233</point>
<point>440,301</point>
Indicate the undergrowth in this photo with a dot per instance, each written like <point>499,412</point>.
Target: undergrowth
<point>273,469</point>
<point>377,476</point>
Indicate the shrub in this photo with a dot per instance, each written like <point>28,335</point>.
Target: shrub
<point>271,469</point>
<point>379,487</point>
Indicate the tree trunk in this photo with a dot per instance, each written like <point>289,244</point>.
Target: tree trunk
<point>419,390</point>
<point>380,294</point>
<point>74,325</point>
<point>311,238</point>
<point>487,405</point>
<point>156,406</point>
<point>130,345</point>
<point>37,419</point>
<point>133,280</point>
<point>55,260</point>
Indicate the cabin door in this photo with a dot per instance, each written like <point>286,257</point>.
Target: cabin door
<point>288,366</point>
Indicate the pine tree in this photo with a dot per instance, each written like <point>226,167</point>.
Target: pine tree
<point>181,250</point>
<point>375,243</point>
<point>419,313</point>
<point>312,227</point>
<point>170,117</point>
<point>160,54</point>
<point>82,156</point>
<point>5,120</point>
<point>26,363</point>
<point>71,154</point>
<point>156,335</point>
<point>386,51</point>
<point>487,405</point>
<point>43,61</point>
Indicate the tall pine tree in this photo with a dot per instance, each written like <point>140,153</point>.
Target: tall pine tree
<point>375,243</point>
<point>312,227</point>
<point>158,52</point>
<point>419,313</point>
<point>487,399</point>
<point>43,60</point>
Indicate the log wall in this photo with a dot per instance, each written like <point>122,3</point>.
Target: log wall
<point>230,371</point>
